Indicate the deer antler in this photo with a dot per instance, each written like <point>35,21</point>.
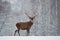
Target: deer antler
<point>27,15</point>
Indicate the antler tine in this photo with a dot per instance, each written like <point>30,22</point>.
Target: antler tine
<point>35,14</point>
<point>27,15</point>
<point>36,11</point>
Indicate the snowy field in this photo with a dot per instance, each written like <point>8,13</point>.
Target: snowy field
<point>13,11</point>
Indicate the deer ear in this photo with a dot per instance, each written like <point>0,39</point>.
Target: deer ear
<point>29,17</point>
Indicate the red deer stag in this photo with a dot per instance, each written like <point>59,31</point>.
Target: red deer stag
<point>24,25</point>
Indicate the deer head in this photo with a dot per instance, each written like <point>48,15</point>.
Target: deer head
<point>31,18</point>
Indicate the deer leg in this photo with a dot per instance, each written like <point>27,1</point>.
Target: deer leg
<point>15,32</point>
<point>18,33</point>
<point>28,32</point>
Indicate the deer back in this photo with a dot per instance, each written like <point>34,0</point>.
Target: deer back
<point>24,25</point>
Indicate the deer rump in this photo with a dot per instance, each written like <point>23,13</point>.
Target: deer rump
<point>24,25</point>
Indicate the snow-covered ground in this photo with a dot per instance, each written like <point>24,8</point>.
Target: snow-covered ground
<point>13,11</point>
